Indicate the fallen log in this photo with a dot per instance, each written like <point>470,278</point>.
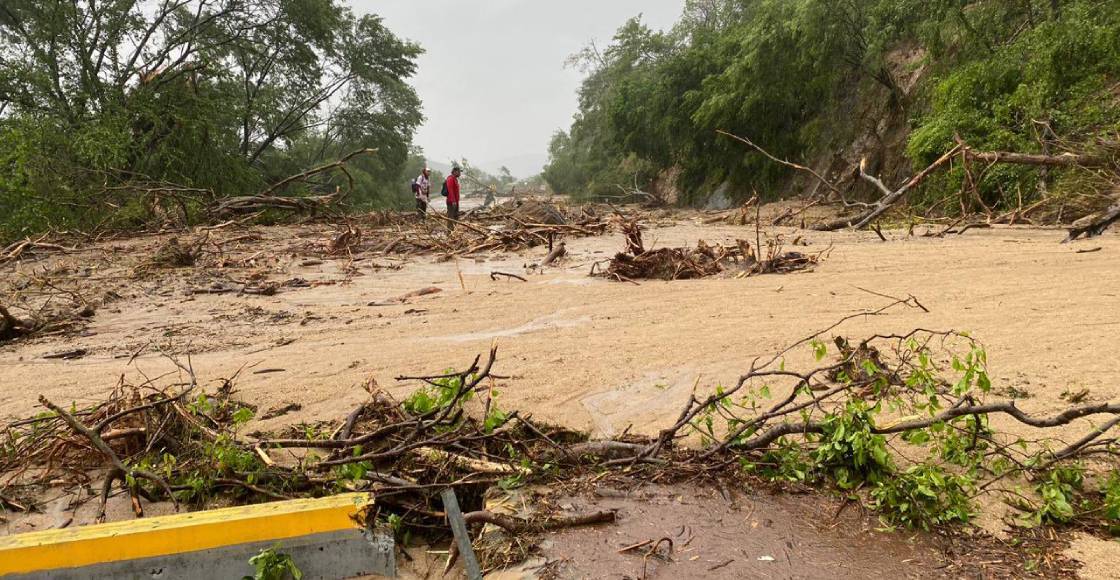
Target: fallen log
<point>1094,225</point>
<point>470,463</point>
<point>889,197</point>
<point>268,200</point>
<point>1063,160</point>
<point>557,252</point>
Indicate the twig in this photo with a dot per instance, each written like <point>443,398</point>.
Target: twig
<point>494,276</point>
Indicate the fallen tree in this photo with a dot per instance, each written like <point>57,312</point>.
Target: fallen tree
<point>889,197</point>
<point>1095,225</point>
<point>268,199</point>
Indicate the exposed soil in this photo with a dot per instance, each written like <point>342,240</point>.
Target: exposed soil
<point>587,353</point>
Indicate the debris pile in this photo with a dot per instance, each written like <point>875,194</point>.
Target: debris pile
<point>51,317</point>
<point>187,446</point>
<point>638,263</point>
<point>12,327</point>
<point>538,212</point>
<point>172,254</point>
<point>664,263</point>
<point>510,228</point>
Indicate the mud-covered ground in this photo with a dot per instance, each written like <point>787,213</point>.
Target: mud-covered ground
<point>588,353</point>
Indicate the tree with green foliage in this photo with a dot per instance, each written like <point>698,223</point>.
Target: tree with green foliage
<point>104,103</point>
<point>1036,76</point>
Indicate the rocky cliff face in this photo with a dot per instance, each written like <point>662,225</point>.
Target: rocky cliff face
<point>871,122</point>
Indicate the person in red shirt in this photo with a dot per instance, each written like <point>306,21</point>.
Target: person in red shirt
<point>451,185</point>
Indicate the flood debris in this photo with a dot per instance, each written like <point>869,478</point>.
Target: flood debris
<point>21,249</point>
<point>533,224</point>
<point>705,260</point>
<point>12,327</point>
<point>173,254</point>
<point>48,319</point>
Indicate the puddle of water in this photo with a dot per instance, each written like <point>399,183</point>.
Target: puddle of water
<point>550,322</point>
<point>751,536</point>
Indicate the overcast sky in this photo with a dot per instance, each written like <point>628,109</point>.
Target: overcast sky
<point>493,79</point>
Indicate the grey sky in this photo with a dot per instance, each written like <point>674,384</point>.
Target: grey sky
<point>493,80</point>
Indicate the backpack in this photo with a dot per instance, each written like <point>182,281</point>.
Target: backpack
<point>444,191</point>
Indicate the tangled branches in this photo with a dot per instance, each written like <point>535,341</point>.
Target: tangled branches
<point>187,446</point>
<point>487,232</point>
<point>268,199</point>
<point>637,263</point>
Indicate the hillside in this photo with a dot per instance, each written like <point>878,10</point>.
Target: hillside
<point>827,83</point>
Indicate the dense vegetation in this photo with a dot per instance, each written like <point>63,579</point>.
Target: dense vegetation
<point>120,112</point>
<point>1025,75</point>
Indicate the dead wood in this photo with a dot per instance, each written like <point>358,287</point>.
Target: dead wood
<point>789,164</point>
<point>11,327</point>
<point>538,212</point>
<point>346,239</point>
<point>494,276</point>
<point>597,449</point>
<point>408,295</point>
<point>1094,225</point>
<point>521,526</point>
<point>407,452</point>
<point>172,254</point>
<point>16,250</point>
<point>129,476</point>
<point>557,252</point>
<point>638,263</point>
<point>1063,160</point>
<point>889,197</point>
<point>268,199</point>
<point>517,526</point>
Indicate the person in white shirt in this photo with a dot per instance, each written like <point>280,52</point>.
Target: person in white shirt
<point>422,189</point>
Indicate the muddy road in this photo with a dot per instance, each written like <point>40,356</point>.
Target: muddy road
<point>587,353</point>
